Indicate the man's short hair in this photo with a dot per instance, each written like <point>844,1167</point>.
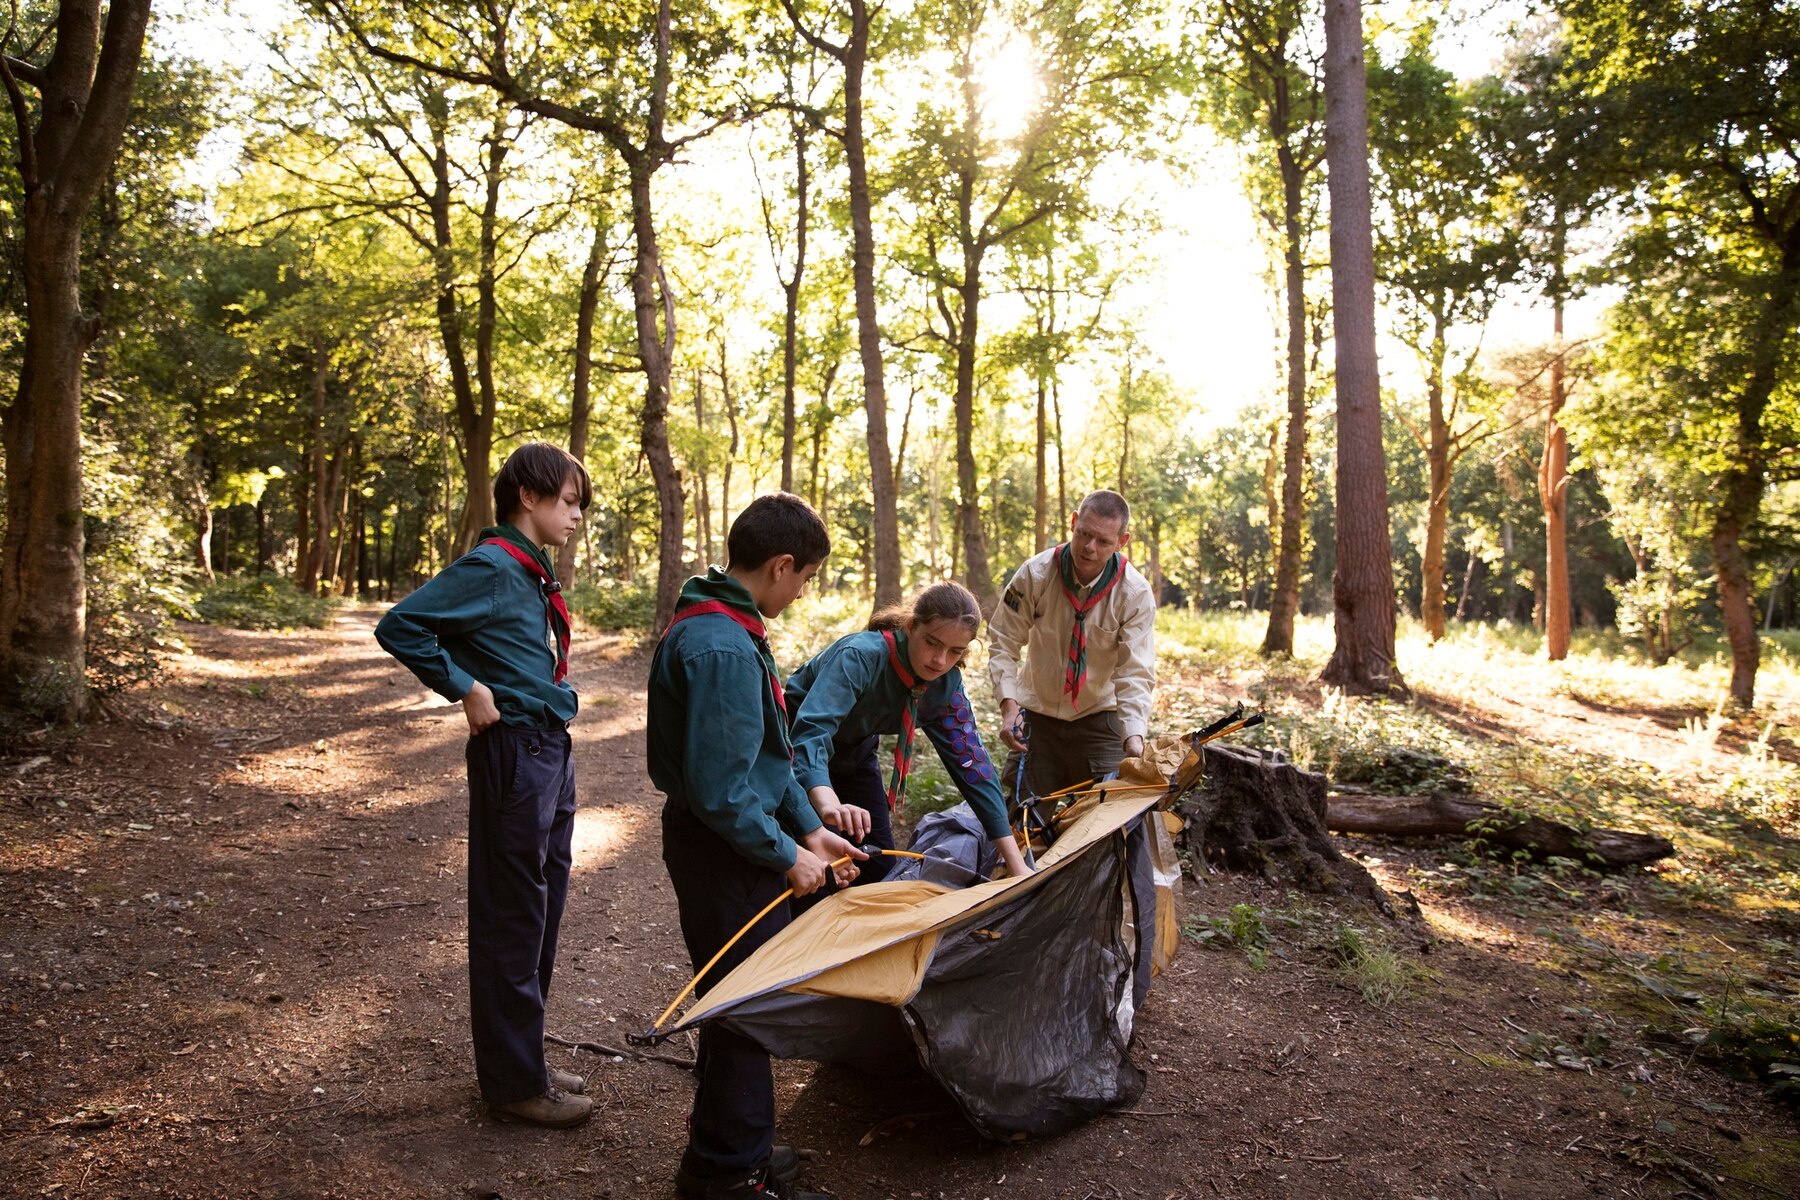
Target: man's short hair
<point>543,469</point>
<point>773,525</point>
<point>1108,506</point>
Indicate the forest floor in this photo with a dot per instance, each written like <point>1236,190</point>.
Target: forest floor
<point>232,962</point>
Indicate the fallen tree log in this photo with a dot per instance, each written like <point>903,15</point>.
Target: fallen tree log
<point>1444,815</point>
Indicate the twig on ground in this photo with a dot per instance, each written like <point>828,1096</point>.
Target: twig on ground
<point>686,1064</point>
<point>279,1112</point>
<point>398,904</point>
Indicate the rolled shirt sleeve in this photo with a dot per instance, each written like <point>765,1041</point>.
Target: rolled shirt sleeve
<point>457,601</point>
<point>950,725</point>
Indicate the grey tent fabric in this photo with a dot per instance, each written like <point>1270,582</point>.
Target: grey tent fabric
<point>1024,1013</point>
<point>1026,1020</point>
<point>957,852</point>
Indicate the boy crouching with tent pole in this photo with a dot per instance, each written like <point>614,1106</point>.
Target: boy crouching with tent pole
<point>737,826</point>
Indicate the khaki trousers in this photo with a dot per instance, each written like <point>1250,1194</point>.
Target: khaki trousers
<point>1062,754</point>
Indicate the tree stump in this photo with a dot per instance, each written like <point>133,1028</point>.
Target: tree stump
<point>1253,812</point>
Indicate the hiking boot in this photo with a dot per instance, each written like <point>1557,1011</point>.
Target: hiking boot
<point>757,1185</point>
<point>555,1109</point>
<point>568,1081</point>
<point>785,1166</point>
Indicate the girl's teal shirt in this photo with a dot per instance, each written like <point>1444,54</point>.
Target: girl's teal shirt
<point>850,691</point>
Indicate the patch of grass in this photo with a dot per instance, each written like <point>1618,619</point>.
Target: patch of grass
<point>1771,1162</point>
<point>1245,928</point>
<point>261,602</point>
<point>1373,970</point>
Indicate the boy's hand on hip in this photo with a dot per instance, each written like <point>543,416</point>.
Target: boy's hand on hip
<point>478,707</point>
<point>1134,746</point>
<point>829,847</point>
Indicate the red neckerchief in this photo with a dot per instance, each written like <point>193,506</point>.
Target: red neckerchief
<point>757,630</point>
<point>909,721</point>
<point>556,609</point>
<point>1075,674</point>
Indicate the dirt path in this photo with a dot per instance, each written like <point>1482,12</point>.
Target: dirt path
<point>232,966</point>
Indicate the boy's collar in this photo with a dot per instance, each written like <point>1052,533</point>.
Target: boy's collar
<point>511,533</point>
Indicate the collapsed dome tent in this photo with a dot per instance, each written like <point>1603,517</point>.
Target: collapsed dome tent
<point>1017,995</point>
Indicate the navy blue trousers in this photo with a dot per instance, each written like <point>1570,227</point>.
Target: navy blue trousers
<point>521,821</point>
<point>717,890</point>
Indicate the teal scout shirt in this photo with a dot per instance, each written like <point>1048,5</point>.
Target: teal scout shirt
<point>484,618</point>
<point>849,691</point>
<point>716,739</point>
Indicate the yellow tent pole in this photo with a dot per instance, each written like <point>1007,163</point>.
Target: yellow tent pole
<point>748,926</point>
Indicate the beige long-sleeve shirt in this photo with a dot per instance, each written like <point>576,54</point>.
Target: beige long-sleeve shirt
<point>1034,619</point>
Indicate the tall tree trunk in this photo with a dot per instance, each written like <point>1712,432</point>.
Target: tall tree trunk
<point>478,436</point>
<point>336,499</point>
<point>790,287</point>
<point>654,313</point>
<point>85,98</point>
<point>885,519</point>
<point>203,532</point>
<point>968,503</point>
<point>1553,471</point>
<point>450,321</point>
<point>318,490</point>
<point>302,500</point>
<point>1738,501</point>
<point>1040,502</point>
<point>1284,601</point>
<point>1468,583</point>
<point>581,388</point>
<point>702,498</point>
<point>1439,461</point>
<point>1363,586</point>
<point>731,416</point>
<point>1156,575</point>
<point>1124,485</point>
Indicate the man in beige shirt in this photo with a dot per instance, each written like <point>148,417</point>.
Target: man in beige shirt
<point>1082,619</point>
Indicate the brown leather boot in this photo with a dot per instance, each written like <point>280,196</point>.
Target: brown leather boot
<point>555,1109</point>
<point>568,1081</point>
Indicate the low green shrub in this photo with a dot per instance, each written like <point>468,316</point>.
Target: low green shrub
<point>609,604</point>
<point>261,602</point>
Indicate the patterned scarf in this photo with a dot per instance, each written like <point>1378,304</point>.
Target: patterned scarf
<point>909,720</point>
<point>716,592</point>
<point>556,609</point>
<point>1076,673</point>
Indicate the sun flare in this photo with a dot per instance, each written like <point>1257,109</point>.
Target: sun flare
<point>1006,74</point>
